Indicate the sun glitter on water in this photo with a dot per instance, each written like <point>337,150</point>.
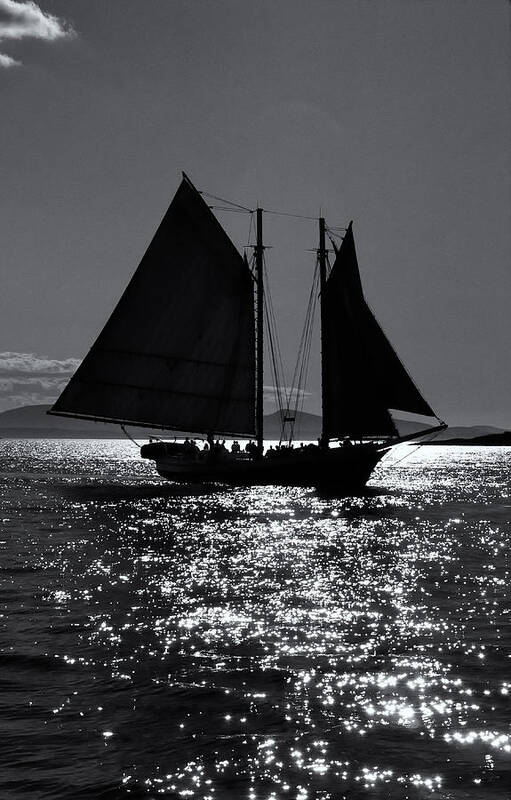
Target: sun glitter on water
<point>262,643</point>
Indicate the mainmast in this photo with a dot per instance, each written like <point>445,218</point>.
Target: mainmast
<point>322,300</point>
<point>259,252</point>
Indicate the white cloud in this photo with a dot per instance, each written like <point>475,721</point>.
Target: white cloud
<point>25,19</point>
<point>270,392</point>
<point>31,364</point>
<point>29,379</point>
<point>7,61</point>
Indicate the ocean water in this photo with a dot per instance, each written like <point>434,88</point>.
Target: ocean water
<point>261,643</point>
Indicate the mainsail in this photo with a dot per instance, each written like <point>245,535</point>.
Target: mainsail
<point>364,376</point>
<point>178,351</point>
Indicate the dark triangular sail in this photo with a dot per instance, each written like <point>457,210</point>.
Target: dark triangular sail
<point>364,376</point>
<point>178,351</point>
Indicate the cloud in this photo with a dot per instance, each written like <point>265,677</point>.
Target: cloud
<point>270,392</point>
<point>7,61</point>
<point>28,379</point>
<point>25,19</point>
<point>29,363</point>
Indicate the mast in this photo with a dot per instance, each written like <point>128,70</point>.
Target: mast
<point>324,328</point>
<point>259,251</point>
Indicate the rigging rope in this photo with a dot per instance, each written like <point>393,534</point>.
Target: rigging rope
<point>129,436</point>
<point>223,200</point>
<point>275,351</point>
<point>302,382</point>
<point>266,210</point>
<point>274,363</point>
<point>301,369</point>
<point>331,233</point>
<point>250,229</point>
<point>406,455</point>
<point>230,210</point>
<point>288,214</point>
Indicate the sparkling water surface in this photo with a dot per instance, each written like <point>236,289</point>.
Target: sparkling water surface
<point>260,643</point>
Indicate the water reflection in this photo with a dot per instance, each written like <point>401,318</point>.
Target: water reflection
<point>258,643</point>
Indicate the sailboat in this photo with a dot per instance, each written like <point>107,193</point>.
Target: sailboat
<point>183,351</point>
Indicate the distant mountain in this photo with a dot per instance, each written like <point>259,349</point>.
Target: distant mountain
<point>33,417</point>
<point>307,426</point>
<point>469,432</point>
<point>32,422</point>
<point>502,439</point>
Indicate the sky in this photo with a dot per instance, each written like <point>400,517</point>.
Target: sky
<point>395,114</point>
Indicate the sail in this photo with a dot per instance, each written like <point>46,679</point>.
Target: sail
<point>178,351</point>
<point>364,376</point>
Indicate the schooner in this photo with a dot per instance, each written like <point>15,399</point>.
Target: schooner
<point>183,350</point>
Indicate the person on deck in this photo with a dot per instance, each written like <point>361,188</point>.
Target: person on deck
<point>252,449</point>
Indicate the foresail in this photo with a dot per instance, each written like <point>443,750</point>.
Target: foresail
<point>178,351</point>
<point>365,377</point>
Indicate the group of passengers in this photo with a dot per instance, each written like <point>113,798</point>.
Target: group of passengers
<point>282,449</point>
<point>210,446</point>
<point>190,448</point>
<point>218,449</point>
<point>215,449</point>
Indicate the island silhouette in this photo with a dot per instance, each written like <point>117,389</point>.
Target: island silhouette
<point>32,422</point>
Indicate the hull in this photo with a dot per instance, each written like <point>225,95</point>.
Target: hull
<point>341,469</point>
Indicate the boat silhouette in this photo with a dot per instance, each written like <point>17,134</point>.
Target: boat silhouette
<point>183,350</point>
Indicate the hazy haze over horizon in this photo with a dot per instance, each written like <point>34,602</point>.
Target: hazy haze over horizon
<point>396,115</point>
